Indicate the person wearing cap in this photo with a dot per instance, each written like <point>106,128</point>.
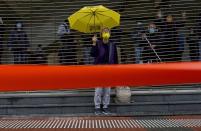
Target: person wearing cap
<point>63,29</point>
<point>105,52</point>
<point>67,51</point>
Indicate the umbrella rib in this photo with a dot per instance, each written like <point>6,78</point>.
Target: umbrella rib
<point>82,17</point>
<point>88,22</point>
<point>94,18</point>
<point>94,22</point>
<point>105,15</point>
<point>99,20</point>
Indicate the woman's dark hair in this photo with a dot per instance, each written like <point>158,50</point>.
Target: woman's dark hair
<point>66,21</point>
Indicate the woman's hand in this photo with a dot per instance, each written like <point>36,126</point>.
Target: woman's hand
<point>94,40</point>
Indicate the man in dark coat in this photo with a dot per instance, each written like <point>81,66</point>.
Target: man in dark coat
<point>152,46</point>
<point>171,48</point>
<point>68,50</point>
<point>193,43</point>
<point>2,31</point>
<point>18,43</point>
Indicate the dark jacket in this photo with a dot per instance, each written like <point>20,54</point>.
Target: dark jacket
<point>148,53</point>
<point>160,23</point>
<point>2,31</point>
<point>100,53</point>
<point>18,40</point>
<point>192,40</point>
<point>117,33</point>
<point>171,48</point>
<point>198,26</point>
<point>68,51</point>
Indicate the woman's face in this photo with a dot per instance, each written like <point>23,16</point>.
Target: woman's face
<point>152,28</point>
<point>105,34</point>
<point>152,25</point>
<point>159,14</point>
<point>105,30</point>
<point>169,18</point>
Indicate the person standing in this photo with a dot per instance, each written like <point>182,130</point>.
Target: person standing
<point>152,46</point>
<point>67,52</point>
<point>18,43</point>
<point>2,31</point>
<point>171,48</point>
<point>193,42</point>
<point>63,30</point>
<point>105,52</point>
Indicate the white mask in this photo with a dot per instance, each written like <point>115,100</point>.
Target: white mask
<point>19,26</point>
<point>139,23</point>
<point>159,14</point>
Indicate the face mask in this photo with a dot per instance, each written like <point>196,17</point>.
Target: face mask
<point>106,36</point>
<point>159,15</point>
<point>139,23</point>
<point>19,26</point>
<point>151,30</point>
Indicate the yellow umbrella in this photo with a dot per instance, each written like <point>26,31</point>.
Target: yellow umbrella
<point>90,19</point>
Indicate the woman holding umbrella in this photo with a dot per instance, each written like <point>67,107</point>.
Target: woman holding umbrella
<point>105,52</point>
<point>90,19</point>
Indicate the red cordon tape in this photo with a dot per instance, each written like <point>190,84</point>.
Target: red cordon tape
<point>39,77</point>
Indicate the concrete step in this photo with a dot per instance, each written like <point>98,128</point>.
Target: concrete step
<point>70,97</point>
<point>80,103</point>
<point>85,109</point>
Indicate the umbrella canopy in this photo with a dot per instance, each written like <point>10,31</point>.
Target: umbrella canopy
<point>91,19</point>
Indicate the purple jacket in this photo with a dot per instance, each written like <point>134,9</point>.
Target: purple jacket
<point>100,53</point>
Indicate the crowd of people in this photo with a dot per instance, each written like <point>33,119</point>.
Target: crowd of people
<point>17,43</point>
<point>165,39</point>
<point>161,39</point>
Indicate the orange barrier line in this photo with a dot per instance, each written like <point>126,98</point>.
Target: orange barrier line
<point>37,77</point>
